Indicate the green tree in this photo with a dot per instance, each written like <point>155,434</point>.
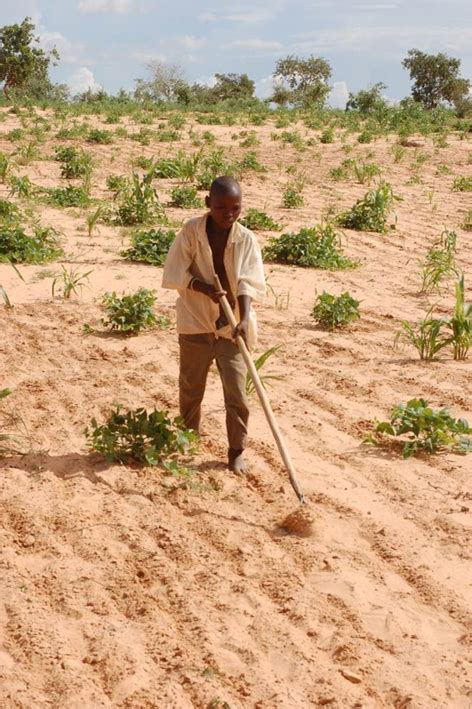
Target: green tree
<point>306,79</point>
<point>367,100</point>
<point>235,87</point>
<point>21,61</point>
<point>435,78</point>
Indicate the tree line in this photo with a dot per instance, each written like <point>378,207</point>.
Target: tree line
<point>298,82</point>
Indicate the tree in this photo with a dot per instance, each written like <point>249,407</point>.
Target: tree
<point>435,78</point>
<point>307,79</point>
<point>166,84</point>
<point>367,100</point>
<point>236,87</point>
<point>20,61</point>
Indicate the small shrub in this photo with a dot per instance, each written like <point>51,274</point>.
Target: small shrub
<point>130,313</point>
<point>116,183</point>
<point>21,186</point>
<point>250,161</point>
<point>327,136</point>
<point>331,311</point>
<point>316,247</point>
<point>167,136</point>
<point>371,212</point>
<point>150,246</point>
<point>254,219</point>
<point>418,428</point>
<point>70,196</point>
<point>342,172</point>
<point>365,137</point>
<point>462,184</point>
<point>248,139</point>
<point>16,246</point>
<point>291,198</point>
<point>185,197</point>
<point>147,438</point>
<point>103,137</point>
<point>138,202</point>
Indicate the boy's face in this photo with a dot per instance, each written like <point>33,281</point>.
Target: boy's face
<point>224,208</point>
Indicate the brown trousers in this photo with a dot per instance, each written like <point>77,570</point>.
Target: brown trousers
<point>197,352</point>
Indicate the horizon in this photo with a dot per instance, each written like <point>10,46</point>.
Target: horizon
<point>246,39</point>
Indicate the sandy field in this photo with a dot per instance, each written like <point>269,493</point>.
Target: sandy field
<point>122,587</point>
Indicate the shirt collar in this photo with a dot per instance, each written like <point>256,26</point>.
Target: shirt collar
<point>235,235</point>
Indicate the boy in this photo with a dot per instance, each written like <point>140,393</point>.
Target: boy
<point>215,244</point>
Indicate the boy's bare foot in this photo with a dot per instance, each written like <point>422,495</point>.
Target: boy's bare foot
<point>236,462</point>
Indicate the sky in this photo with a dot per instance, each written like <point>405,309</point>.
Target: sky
<point>109,43</point>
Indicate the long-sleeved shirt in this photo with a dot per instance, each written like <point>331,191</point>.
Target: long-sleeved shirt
<point>190,257</point>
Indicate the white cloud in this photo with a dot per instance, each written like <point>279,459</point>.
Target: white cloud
<point>149,57</point>
<point>265,87</point>
<point>209,81</point>
<point>190,42</point>
<point>82,80</point>
<point>262,44</point>
<point>207,17</point>
<point>69,52</point>
<point>339,95</point>
<point>120,6</point>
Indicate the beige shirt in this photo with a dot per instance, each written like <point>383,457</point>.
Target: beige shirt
<point>190,256</point>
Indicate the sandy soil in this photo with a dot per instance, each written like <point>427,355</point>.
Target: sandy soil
<point>121,588</point>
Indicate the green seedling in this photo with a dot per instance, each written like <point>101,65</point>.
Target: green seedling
<point>372,212</point>
<point>419,428</point>
<point>331,311</point>
<point>460,323</point>
<point>71,282</point>
<point>427,336</point>
<point>185,197</point>
<point>264,378</point>
<point>149,246</point>
<point>257,220</point>
<point>315,247</point>
<point>148,438</point>
<point>130,313</point>
<point>440,262</point>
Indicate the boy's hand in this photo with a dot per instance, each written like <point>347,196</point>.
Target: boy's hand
<point>209,290</point>
<point>241,330</point>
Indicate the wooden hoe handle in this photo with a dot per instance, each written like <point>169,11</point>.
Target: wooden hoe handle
<point>264,399</point>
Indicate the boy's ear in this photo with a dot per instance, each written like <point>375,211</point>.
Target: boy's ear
<point>207,201</point>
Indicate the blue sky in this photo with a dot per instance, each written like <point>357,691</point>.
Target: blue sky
<point>109,42</point>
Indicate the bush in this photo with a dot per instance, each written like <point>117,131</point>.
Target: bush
<point>70,196</point>
<point>16,246</point>
<point>318,247</point>
<point>185,197</point>
<point>138,201</point>
<point>103,137</point>
<point>331,311</point>
<point>429,430</point>
<point>75,163</point>
<point>371,212</point>
<point>292,198</point>
<point>147,438</point>
<point>462,184</point>
<point>130,313</point>
<point>149,246</point>
<point>254,219</point>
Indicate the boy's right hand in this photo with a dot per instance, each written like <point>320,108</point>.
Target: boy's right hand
<point>209,290</point>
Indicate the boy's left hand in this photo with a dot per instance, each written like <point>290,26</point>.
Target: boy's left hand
<point>241,330</point>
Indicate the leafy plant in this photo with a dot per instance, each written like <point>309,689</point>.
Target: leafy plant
<point>16,246</point>
<point>316,247</point>
<point>327,136</point>
<point>149,246</point>
<point>93,218</point>
<point>365,171</point>
<point>21,186</point>
<point>420,428</point>
<point>427,336</point>
<point>186,197</point>
<point>259,363</point>
<point>146,437</point>
<point>103,137</point>
<point>115,183</point>
<point>440,262</point>
<point>462,184</point>
<point>292,198</point>
<point>130,313</point>
<point>398,152</point>
<point>70,196</point>
<point>255,219</point>
<point>331,311</point>
<point>138,201</point>
<point>75,163</point>
<point>5,166</point>
<point>371,213</point>
<point>72,282</point>
<point>460,323</point>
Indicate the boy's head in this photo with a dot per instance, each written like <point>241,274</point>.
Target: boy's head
<point>224,201</point>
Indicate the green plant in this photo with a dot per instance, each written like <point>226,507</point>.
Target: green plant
<point>93,218</point>
<point>327,136</point>
<point>398,152</point>
<point>17,246</point>
<point>75,163</point>
<point>366,136</point>
<point>342,172</point>
<point>371,212</point>
<point>331,311</point>
<point>72,281</point>
<point>292,198</point>
<point>462,184</point>
<point>185,197</point>
<point>146,437</point>
<point>440,262</point>
<point>316,247</point>
<point>115,183</point>
<point>130,313</point>
<point>149,246</point>
<point>248,139</point>
<point>5,166</point>
<point>103,137</point>
<point>167,136</point>
<point>138,201</point>
<point>250,161</point>
<point>70,196</point>
<point>259,363</point>
<point>21,186</point>
<point>417,427</point>
<point>255,219</point>
<point>365,171</point>
<point>460,323</point>
<point>427,336</point>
